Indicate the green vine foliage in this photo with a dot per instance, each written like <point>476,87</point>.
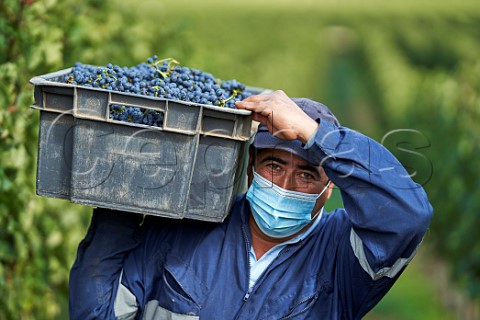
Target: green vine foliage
<point>452,101</point>
<point>419,79</point>
<point>39,236</point>
<point>428,75</point>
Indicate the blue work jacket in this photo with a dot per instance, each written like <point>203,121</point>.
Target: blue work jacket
<point>175,269</point>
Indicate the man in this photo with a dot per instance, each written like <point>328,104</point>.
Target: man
<point>278,255</point>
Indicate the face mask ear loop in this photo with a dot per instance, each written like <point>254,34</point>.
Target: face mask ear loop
<point>325,188</point>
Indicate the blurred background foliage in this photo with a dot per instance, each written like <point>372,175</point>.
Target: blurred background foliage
<point>406,73</point>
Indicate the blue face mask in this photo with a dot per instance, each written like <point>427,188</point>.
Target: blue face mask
<point>278,212</point>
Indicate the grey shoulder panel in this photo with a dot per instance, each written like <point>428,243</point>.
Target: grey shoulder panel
<point>357,246</point>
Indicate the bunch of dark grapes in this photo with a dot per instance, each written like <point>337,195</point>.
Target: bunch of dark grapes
<point>165,79</point>
<point>136,115</point>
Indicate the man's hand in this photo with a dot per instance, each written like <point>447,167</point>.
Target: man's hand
<point>283,118</point>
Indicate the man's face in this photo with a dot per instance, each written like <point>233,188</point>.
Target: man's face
<point>291,172</point>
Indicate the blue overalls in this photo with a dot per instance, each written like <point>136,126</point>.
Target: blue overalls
<point>175,269</point>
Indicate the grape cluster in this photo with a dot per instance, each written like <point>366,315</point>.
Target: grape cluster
<point>136,115</point>
<point>164,78</point>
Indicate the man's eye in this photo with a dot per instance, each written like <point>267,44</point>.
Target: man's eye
<point>273,167</point>
<point>307,176</point>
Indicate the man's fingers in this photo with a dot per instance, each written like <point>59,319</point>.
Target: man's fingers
<point>243,105</point>
<point>258,107</point>
<point>257,98</point>
<point>260,118</point>
<point>249,105</point>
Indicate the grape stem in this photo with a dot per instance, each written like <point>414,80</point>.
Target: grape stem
<point>172,63</point>
<point>234,94</point>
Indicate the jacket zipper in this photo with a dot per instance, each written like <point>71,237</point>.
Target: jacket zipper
<point>248,248</point>
<point>291,314</point>
<point>186,293</point>
<point>247,295</point>
<point>181,286</point>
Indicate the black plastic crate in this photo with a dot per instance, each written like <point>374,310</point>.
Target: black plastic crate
<point>191,166</point>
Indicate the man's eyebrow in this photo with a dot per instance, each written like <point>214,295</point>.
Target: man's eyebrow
<point>307,167</point>
<point>273,158</point>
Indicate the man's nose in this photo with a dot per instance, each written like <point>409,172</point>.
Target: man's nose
<point>286,182</point>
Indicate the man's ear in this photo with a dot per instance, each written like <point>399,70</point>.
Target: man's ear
<point>329,190</point>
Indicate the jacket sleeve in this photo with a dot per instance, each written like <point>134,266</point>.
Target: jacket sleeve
<point>95,274</point>
<point>388,213</point>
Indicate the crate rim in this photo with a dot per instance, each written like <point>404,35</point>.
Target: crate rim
<point>44,80</point>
